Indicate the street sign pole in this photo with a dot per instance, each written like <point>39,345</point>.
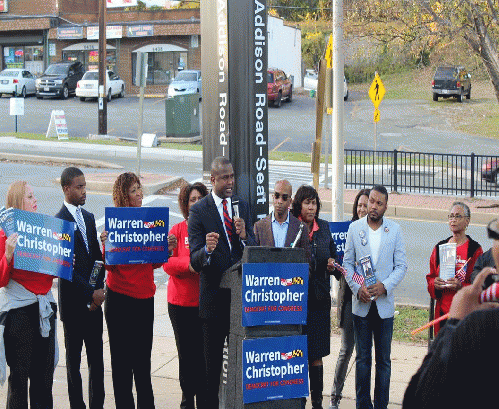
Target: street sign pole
<point>376,93</point>
<point>102,105</point>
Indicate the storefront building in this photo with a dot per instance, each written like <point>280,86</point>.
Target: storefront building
<point>170,37</point>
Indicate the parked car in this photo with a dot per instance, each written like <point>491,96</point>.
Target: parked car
<point>279,86</point>
<point>311,79</point>
<point>18,80</point>
<point>490,171</point>
<point>88,86</point>
<point>186,82</point>
<point>451,81</point>
<point>59,79</point>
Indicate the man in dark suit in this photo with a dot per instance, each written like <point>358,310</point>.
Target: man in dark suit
<point>219,227</point>
<point>281,228</point>
<point>79,301</point>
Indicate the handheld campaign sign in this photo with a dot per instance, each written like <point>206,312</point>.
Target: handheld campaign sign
<point>136,235</point>
<point>339,232</point>
<point>275,368</point>
<point>45,244</point>
<point>274,293</point>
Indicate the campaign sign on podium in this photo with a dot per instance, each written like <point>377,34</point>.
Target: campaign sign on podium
<point>339,231</point>
<point>45,244</point>
<point>274,293</point>
<point>275,368</point>
<point>136,235</point>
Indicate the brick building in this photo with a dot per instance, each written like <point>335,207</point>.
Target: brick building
<point>34,33</point>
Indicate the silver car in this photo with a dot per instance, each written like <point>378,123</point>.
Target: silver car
<point>186,82</point>
<point>310,81</point>
<point>17,80</point>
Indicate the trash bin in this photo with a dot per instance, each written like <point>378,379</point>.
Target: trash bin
<point>182,116</point>
<point>312,93</point>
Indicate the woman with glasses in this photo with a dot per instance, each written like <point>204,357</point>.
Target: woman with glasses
<point>467,251</point>
<point>306,207</point>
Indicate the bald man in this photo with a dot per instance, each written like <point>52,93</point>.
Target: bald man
<point>280,228</point>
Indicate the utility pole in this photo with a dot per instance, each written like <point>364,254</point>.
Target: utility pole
<point>337,146</point>
<point>102,102</point>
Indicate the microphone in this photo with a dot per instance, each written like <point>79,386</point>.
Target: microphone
<point>298,236</point>
<point>235,208</point>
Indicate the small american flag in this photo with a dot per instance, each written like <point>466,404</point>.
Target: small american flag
<point>356,276</point>
<point>461,274</point>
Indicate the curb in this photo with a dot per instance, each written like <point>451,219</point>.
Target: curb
<point>40,159</point>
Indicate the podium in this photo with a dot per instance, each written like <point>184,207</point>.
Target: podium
<point>234,389</point>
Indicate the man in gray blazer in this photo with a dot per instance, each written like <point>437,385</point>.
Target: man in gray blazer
<point>280,228</point>
<point>373,306</point>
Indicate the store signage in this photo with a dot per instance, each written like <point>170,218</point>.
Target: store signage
<point>121,3</point>
<point>140,31</point>
<point>275,368</point>
<point>274,293</point>
<point>111,32</point>
<point>4,6</point>
<point>69,33</point>
<point>58,128</point>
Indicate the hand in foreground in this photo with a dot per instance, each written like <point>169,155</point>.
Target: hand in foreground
<point>240,227</point>
<point>98,297</point>
<point>10,246</point>
<point>467,299</point>
<point>330,264</point>
<point>376,290</point>
<point>363,295</point>
<point>172,242</point>
<point>211,241</point>
<point>103,237</point>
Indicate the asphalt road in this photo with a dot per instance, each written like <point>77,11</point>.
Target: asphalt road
<point>419,236</point>
<point>412,125</point>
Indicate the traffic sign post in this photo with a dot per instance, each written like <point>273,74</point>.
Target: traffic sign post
<point>376,93</point>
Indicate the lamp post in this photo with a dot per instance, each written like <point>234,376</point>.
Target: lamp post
<point>102,105</point>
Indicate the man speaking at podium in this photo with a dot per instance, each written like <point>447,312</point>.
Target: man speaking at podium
<point>219,228</point>
<point>281,228</point>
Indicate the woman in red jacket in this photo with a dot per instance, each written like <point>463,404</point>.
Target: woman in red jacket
<point>129,311</point>
<point>183,302</point>
<point>466,249</point>
<point>29,348</point>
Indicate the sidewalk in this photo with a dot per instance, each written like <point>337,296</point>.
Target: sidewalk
<point>406,359</point>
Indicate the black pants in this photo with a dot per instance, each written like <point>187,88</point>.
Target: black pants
<point>130,328</point>
<point>78,329</point>
<point>29,356</point>
<point>215,330</point>
<point>189,339</point>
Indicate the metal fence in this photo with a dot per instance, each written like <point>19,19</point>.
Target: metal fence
<point>421,172</point>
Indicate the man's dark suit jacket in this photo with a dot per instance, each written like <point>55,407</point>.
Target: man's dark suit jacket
<point>75,295</point>
<point>265,237</point>
<point>204,218</point>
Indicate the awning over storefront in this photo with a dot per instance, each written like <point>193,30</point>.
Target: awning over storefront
<point>159,48</point>
<point>86,47</point>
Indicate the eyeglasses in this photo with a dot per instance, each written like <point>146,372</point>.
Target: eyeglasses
<point>284,196</point>
<point>455,216</point>
<point>492,230</point>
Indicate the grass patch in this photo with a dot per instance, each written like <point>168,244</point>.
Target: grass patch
<point>408,319</point>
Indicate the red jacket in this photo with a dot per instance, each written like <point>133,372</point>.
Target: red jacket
<point>183,286</point>
<point>444,297</point>
<point>37,283</point>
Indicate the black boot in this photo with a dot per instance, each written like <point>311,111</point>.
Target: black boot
<point>316,376</point>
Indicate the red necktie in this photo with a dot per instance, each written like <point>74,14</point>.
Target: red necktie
<point>227,220</point>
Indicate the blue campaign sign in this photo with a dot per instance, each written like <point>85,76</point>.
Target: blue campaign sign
<point>45,244</point>
<point>275,293</point>
<point>136,235</point>
<point>275,368</point>
<point>339,232</point>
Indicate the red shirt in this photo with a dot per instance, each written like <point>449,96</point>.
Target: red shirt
<point>183,286</point>
<point>37,283</point>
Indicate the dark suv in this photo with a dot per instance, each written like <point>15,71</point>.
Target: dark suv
<point>59,79</point>
<point>451,81</point>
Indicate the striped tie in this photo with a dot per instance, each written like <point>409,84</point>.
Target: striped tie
<point>227,220</point>
<point>81,226</point>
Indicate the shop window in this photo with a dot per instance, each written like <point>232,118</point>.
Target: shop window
<point>163,67</point>
<point>90,58</point>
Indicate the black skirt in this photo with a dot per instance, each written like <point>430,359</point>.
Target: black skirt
<point>318,331</point>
